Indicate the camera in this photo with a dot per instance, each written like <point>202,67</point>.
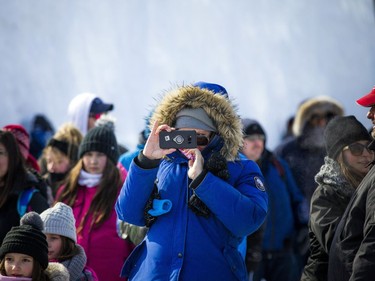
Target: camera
<point>178,139</point>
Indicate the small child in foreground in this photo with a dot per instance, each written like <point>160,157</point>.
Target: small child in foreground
<point>24,254</point>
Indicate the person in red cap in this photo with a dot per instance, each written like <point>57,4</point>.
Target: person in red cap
<point>368,100</point>
<point>23,140</point>
<point>355,234</point>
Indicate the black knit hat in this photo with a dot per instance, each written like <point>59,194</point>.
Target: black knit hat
<point>27,239</point>
<point>342,131</point>
<point>252,127</point>
<point>101,139</point>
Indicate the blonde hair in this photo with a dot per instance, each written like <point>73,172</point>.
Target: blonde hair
<point>69,134</point>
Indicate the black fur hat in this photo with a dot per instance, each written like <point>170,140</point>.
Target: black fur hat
<point>27,239</point>
<point>101,139</point>
<point>342,131</point>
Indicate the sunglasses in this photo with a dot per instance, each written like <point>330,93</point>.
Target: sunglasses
<point>202,140</point>
<point>357,149</point>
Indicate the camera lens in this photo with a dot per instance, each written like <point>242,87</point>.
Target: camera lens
<point>178,139</point>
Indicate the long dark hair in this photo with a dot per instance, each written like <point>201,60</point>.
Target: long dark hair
<point>68,250</point>
<point>16,166</point>
<point>104,199</point>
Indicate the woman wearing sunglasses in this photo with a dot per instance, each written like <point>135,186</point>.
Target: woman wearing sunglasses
<point>347,162</point>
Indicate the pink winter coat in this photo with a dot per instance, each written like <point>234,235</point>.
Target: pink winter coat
<point>105,250</point>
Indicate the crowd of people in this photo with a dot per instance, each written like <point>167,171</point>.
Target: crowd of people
<point>76,205</point>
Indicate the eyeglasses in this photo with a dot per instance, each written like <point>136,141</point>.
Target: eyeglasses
<point>202,140</point>
<point>96,116</point>
<point>357,149</point>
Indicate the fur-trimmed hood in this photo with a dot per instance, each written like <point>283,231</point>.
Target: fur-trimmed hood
<point>218,107</point>
<point>57,272</point>
<point>318,105</point>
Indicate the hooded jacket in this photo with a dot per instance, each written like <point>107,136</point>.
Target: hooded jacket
<point>304,156</point>
<point>181,245</point>
<point>328,204</point>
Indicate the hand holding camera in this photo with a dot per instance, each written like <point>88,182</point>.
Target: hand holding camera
<point>152,149</point>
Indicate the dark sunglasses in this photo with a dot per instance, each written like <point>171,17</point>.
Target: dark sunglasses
<point>202,140</point>
<point>357,148</point>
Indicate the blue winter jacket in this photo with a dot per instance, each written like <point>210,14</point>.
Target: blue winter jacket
<point>181,245</point>
<point>285,201</point>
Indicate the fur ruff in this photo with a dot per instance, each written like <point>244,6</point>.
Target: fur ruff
<point>57,272</point>
<point>317,105</point>
<point>220,109</point>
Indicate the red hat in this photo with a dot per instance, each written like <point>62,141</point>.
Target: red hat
<point>21,136</point>
<point>367,100</point>
<point>23,140</point>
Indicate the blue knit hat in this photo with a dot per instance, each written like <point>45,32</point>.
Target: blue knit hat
<point>215,88</point>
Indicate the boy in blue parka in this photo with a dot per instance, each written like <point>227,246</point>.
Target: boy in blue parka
<point>212,198</point>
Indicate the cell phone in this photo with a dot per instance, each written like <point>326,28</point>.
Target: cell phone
<point>178,139</point>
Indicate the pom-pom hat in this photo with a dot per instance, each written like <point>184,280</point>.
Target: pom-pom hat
<point>27,239</point>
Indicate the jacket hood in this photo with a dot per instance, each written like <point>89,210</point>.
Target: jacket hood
<point>79,109</point>
<point>218,107</point>
<point>318,105</point>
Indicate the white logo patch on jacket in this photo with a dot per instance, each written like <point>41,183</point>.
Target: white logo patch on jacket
<point>259,184</point>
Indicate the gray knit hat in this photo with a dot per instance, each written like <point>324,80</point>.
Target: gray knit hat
<point>195,118</point>
<point>60,220</point>
<point>101,139</point>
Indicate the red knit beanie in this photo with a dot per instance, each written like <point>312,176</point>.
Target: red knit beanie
<point>22,138</point>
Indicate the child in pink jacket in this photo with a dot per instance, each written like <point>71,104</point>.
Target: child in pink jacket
<point>91,190</point>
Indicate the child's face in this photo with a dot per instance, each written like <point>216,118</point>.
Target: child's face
<point>94,162</point>
<point>57,162</point>
<point>18,265</point>
<point>54,246</point>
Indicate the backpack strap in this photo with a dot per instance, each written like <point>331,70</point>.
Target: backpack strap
<point>24,199</point>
